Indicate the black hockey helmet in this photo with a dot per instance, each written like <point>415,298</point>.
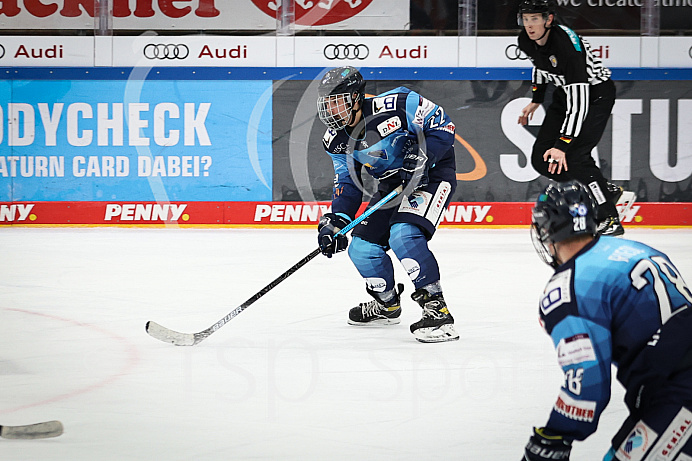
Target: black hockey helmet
<point>338,92</point>
<point>563,210</point>
<point>544,7</point>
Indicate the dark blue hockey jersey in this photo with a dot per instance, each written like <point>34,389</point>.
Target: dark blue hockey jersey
<point>616,302</point>
<point>391,120</point>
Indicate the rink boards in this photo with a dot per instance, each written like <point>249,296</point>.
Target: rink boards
<point>289,214</point>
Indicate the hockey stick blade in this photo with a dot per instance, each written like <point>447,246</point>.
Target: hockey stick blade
<point>169,336</point>
<point>189,339</point>
<point>32,431</point>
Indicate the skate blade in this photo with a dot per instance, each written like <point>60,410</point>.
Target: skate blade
<point>436,335</point>
<point>375,323</point>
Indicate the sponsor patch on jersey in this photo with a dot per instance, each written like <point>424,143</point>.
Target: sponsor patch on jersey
<point>376,284</point>
<point>578,410</point>
<point>573,37</point>
<point>389,126</point>
<point>425,107</point>
<point>557,292</point>
<point>384,103</point>
<point>411,267</point>
<point>449,128</point>
<point>328,137</point>
<point>575,349</point>
<point>674,437</point>
<point>637,443</point>
<point>416,203</point>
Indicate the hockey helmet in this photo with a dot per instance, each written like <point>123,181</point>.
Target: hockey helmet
<point>338,92</point>
<point>544,7</point>
<point>563,210</point>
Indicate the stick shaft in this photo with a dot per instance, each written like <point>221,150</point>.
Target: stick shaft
<point>184,339</point>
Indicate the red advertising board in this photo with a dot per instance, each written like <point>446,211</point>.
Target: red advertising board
<point>284,214</point>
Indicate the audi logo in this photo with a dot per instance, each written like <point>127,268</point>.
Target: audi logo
<point>688,52</point>
<point>346,51</point>
<point>166,51</point>
<point>513,53</point>
<point>2,51</point>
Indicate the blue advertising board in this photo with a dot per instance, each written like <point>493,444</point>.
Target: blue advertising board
<point>100,140</point>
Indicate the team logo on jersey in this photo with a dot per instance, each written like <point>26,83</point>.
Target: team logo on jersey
<point>384,103</point>
<point>553,60</point>
<point>389,126</point>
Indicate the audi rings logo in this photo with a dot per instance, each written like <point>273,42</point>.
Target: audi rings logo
<point>2,51</point>
<point>688,52</point>
<point>513,53</point>
<point>346,51</point>
<point>166,51</point>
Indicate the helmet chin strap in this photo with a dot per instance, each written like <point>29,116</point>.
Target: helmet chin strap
<point>547,29</point>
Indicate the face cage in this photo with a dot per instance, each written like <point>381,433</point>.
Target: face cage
<point>520,17</point>
<point>541,247</point>
<point>335,110</point>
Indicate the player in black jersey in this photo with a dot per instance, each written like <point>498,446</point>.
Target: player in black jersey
<point>578,114</point>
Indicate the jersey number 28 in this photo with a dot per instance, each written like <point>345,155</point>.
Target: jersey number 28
<point>639,282</point>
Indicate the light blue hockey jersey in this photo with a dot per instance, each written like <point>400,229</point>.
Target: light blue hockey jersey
<point>605,306</point>
<point>390,121</point>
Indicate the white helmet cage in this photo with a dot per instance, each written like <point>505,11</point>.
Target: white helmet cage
<point>335,110</point>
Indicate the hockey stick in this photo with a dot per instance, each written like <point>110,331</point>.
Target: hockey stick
<point>190,339</point>
<point>32,431</point>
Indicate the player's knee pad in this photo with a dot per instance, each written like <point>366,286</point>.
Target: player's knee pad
<point>364,253</point>
<point>403,236</point>
<point>373,263</point>
<point>411,248</point>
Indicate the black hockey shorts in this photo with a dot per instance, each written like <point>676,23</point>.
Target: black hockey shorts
<point>424,207</point>
<point>662,433</point>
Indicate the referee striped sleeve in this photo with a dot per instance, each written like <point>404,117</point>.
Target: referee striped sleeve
<point>577,108</point>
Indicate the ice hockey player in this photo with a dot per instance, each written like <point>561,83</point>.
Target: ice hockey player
<point>399,138</point>
<point>612,301</point>
<point>581,104</point>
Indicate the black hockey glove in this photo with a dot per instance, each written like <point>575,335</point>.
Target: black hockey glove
<point>327,228</point>
<point>415,168</point>
<point>543,447</point>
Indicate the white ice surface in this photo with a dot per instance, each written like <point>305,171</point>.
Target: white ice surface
<point>287,379</point>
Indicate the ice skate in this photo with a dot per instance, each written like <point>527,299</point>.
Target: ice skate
<point>437,324</point>
<point>610,226</point>
<point>615,191</point>
<point>377,312</point>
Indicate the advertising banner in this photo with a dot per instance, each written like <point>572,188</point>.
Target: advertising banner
<point>647,144</point>
<point>194,51</point>
<point>585,15</point>
<point>290,214</point>
<point>135,140</point>
<point>376,51</point>
<point>320,51</point>
<point>221,15</point>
